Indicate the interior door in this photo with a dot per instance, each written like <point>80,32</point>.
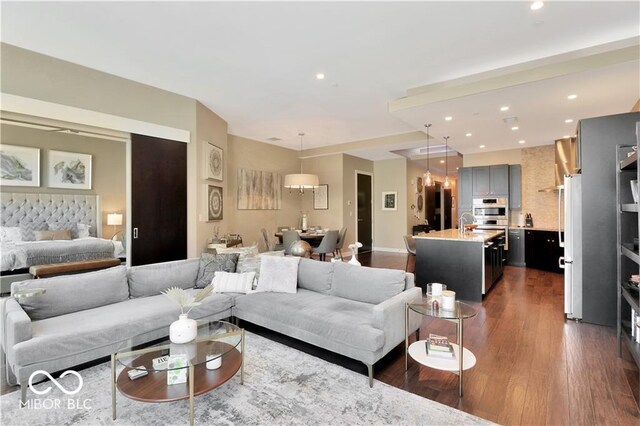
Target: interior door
<point>158,200</point>
<point>365,214</point>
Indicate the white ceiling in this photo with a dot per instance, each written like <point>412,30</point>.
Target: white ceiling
<point>254,64</point>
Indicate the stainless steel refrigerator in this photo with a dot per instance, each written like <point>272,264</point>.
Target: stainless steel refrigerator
<point>570,197</point>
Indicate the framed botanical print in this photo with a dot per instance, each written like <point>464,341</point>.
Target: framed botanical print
<point>20,166</point>
<point>214,203</point>
<point>321,197</point>
<point>69,170</point>
<point>214,163</point>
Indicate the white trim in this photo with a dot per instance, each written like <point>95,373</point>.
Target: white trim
<point>36,107</point>
<point>356,173</point>
<point>390,249</point>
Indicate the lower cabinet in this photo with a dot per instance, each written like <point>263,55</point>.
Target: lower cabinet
<point>542,250</point>
<point>516,247</point>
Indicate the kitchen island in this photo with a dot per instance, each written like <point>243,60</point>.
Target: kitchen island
<point>468,263</point>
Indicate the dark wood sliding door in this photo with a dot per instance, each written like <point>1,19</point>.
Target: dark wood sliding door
<point>158,200</point>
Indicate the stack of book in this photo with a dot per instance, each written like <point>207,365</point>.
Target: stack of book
<point>439,346</point>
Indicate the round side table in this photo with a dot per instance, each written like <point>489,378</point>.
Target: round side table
<point>418,351</point>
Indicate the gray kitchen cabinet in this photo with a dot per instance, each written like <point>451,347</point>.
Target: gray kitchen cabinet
<point>499,180</point>
<point>515,187</point>
<point>481,181</point>
<point>516,247</point>
<point>465,189</point>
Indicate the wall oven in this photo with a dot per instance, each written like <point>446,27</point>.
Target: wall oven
<point>492,213</point>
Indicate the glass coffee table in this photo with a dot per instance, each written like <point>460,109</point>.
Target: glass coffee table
<point>418,351</point>
<point>215,356</point>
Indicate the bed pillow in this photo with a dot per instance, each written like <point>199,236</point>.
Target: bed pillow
<point>211,263</point>
<point>55,226</point>
<point>53,235</point>
<point>278,274</point>
<point>28,230</point>
<point>10,234</point>
<point>227,282</point>
<point>84,231</point>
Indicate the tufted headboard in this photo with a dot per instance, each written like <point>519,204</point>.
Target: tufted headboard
<point>24,208</point>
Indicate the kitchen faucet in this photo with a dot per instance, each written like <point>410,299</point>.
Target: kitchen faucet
<point>461,222</point>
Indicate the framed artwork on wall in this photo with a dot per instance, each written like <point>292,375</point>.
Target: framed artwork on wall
<point>321,197</point>
<point>258,190</point>
<point>20,166</point>
<point>214,203</point>
<point>390,200</point>
<point>69,170</point>
<point>214,163</point>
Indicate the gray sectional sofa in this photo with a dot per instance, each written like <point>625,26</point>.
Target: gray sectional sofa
<point>355,311</point>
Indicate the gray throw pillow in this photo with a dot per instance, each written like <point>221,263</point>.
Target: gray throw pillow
<point>210,263</point>
<point>28,230</point>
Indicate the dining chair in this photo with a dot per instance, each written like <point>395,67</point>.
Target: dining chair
<point>327,245</point>
<point>288,238</point>
<point>269,244</point>
<point>341,237</point>
<point>410,244</point>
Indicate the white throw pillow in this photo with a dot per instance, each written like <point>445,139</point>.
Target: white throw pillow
<point>278,274</point>
<point>10,234</point>
<point>83,230</point>
<point>228,282</point>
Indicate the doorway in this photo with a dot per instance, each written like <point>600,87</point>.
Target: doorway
<point>364,217</point>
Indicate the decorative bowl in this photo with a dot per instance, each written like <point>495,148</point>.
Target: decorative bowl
<point>470,226</point>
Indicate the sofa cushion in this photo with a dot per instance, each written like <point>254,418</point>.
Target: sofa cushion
<point>71,293</point>
<point>211,263</point>
<point>333,318</point>
<point>315,275</point>
<point>370,285</point>
<point>83,331</point>
<point>150,280</point>
<point>279,274</point>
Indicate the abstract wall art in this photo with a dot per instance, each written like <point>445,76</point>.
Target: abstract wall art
<point>69,170</point>
<point>19,166</point>
<point>258,190</point>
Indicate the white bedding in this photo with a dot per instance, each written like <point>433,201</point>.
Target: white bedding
<point>14,255</point>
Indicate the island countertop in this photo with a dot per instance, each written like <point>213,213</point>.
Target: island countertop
<point>454,235</point>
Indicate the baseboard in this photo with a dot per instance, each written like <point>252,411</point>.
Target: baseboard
<point>390,249</point>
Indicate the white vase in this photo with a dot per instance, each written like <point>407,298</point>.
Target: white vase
<point>183,330</point>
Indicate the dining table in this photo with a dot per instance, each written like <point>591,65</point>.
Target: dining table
<point>312,238</point>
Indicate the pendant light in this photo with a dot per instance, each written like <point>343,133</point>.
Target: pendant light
<point>428,181</point>
<point>447,184</point>
<point>301,181</point>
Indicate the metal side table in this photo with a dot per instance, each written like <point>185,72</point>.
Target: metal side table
<point>418,352</point>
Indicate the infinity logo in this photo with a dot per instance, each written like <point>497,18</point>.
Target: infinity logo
<point>55,382</point>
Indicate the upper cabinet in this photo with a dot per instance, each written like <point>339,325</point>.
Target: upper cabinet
<point>491,180</point>
<point>515,187</point>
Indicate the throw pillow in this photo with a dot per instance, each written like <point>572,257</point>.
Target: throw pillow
<point>55,226</point>
<point>28,230</point>
<point>227,282</point>
<point>278,274</point>
<point>84,231</point>
<point>10,234</point>
<point>245,261</point>
<point>210,263</point>
<point>53,235</point>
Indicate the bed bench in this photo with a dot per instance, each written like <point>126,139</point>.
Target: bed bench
<point>42,271</point>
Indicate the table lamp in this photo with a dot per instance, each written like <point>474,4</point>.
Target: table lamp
<point>114,219</point>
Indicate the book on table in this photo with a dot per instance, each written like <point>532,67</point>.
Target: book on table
<point>439,346</point>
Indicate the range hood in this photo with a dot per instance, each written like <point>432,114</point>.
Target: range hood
<point>567,152</point>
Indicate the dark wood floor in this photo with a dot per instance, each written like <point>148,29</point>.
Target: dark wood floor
<point>533,367</point>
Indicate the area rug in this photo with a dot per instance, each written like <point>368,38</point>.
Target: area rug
<point>282,386</point>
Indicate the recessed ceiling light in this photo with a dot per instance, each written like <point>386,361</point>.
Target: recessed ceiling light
<point>482,146</point>
<point>448,118</point>
<point>441,161</point>
<point>521,141</point>
<point>504,108</point>
<point>571,97</point>
<point>515,128</point>
<point>568,120</point>
<point>537,5</point>
<point>468,135</point>
<point>320,76</point>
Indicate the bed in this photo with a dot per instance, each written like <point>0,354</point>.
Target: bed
<point>24,215</point>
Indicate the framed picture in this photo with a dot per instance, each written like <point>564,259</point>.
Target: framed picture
<point>69,170</point>
<point>259,190</point>
<point>214,202</point>
<point>214,163</point>
<point>321,197</point>
<point>390,200</point>
<point>20,166</point>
